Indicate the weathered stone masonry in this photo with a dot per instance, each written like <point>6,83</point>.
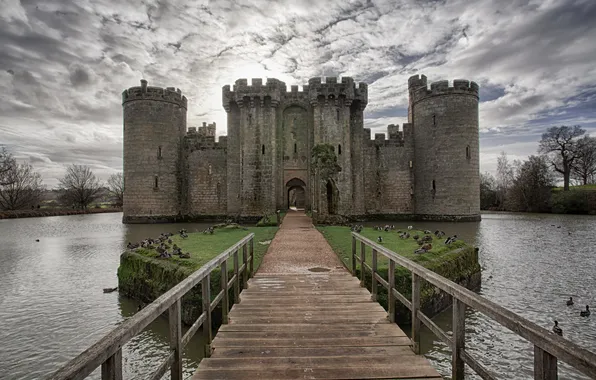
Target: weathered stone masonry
<point>429,169</point>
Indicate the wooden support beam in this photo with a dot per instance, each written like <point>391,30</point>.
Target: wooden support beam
<point>545,365</point>
<point>251,252</point>
<point>362,261</point>
<point>390,295</point>
<point>459,340</point>
<point>373,276</point>
<point>236,279</point>
<point>353,256</point>
<point>111,369</point>
<point>415,307</point>
<point>206,295</point>
<point>175,321</point>
<point>245,263</point>
<point>225,303</point>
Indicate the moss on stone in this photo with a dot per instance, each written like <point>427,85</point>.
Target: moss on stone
<point>457,262</point>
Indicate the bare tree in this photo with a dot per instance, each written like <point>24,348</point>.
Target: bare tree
<point>22,187</point>
<point>504,179</point>
<point>7,165</point>
<point>116,188</point>
<point>584,168</point>
<point>560,145</point>
<point>79,186</point>
<point>488,193</point>
<point>532,185</point>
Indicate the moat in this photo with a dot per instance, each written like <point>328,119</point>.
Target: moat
<point>530,266</point>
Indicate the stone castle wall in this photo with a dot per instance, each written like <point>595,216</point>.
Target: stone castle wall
<point>429,168</point>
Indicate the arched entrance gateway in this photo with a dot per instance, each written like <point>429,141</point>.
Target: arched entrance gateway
<point>296,193</point>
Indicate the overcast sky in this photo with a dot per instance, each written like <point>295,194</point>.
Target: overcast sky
<point>64,64</point>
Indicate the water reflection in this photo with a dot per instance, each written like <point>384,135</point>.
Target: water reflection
<point>52,305</point>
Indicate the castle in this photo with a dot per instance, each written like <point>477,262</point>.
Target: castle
<point>427,170</point>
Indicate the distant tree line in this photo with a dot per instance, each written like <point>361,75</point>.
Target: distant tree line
<point>565,153</point>
<point>21,187</point>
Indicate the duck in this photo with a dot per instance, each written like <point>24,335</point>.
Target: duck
<point>410,227</point>
<point>585,313</point>
<point>109,290</point>
<point>380,239</point>
<point>37,240</point>
<point>557,330</point>
<point>570,301</point>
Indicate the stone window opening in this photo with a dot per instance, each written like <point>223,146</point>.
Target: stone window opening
<point>263,149</point>
<point>209,169</point>
<point>433,188</point>
<point>337,114</point>
<point>339,149</point>
<point>468,152</point>
<point>295,148</point>
<point>434,120</point>
<point>159,156</point>
<point>155,182</point>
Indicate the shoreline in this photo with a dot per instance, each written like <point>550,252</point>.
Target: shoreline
<point>52,212</point>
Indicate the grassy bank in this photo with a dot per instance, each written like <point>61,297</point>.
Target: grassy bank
<point>204,247</point>
<point>52,212</point>
<point>144,276</point>
<point>457,262</point>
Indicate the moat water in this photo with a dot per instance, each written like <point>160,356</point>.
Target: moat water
<point>52,305</point>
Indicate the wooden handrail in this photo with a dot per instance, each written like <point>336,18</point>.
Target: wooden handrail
<point>548,347</point>
<point>107,352</point>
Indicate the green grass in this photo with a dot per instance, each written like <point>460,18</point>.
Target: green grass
<point>591,187</point>
<point>340,240</point>
<point>204,247</point>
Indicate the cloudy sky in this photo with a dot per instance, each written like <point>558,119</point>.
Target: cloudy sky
<point>64,64</point>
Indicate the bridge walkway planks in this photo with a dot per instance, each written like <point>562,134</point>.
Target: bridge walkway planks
<point>311,326</point>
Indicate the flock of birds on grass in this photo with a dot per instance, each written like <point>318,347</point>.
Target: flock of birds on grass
<point>162,244</point>
<point>423,241</point>
<point>584,313</point>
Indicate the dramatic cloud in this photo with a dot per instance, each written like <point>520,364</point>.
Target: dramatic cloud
<point>64,64</point>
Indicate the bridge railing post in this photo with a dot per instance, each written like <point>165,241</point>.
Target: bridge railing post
<point>175,322</point>
<point>459,339</point>
<point>251,252</point>
<point>362,261</point>
<point>225,303</point>
<point>374,271</point>
<point>206,295</point>
<point>245,263</point>
<point>111,369</point>
<point>353,256</point>
<point>415,308</point>
<point>237,278</point>
<point>545,365</point>
<point>390,295</point>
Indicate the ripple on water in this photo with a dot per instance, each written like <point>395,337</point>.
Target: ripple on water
<point>52,305</point>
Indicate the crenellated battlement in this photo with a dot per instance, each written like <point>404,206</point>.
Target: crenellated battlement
<point>331,89</point>
<point>394,136</point>
<point>442,87</point>
<point>143,92</point>
<point>197,140</point>
<point>417,81</point>
<point>273,89</point>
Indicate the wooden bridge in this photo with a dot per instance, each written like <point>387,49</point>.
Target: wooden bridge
<point>317,325</point>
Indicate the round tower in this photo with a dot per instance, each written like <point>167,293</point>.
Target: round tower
<point>446,149</point>
<point>154,126</point>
